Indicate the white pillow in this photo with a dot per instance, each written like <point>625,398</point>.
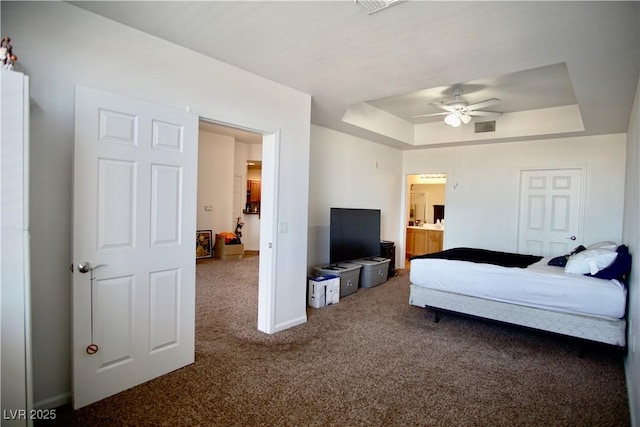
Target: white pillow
<point>590,261</point>
<point>612,246</point>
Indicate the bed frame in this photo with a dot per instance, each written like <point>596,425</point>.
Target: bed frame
<point>597,329</point>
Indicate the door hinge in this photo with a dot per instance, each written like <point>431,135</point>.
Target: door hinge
<point>71,268</point>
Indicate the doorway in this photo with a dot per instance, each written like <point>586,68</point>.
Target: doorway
<point>145,196</point>
<point>230,160</point>
<point>425,213</point>
<point>251,199</point>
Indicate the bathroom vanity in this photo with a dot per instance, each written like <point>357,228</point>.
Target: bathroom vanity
<point>424,239</point>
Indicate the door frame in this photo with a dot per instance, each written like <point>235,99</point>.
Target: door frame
<point>268,232</point>
<point>268,218</point>
<point>401,250</point>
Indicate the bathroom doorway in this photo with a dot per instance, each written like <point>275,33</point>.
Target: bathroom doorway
<point>425,213</point>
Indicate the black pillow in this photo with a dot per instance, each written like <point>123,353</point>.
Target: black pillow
<point>561,261</point>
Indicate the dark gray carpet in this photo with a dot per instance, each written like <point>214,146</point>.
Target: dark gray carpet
<point>371,360</point>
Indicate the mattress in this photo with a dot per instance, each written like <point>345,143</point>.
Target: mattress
<point>538,286</point>
<point>594,328</point>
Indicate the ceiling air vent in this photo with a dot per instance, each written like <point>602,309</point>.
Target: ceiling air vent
<point>373,6</point>
<point>481,127</point>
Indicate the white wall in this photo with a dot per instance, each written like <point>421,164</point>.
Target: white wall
<point>350,172</point>
<point>215,181</point>
<point>60,46</point>
<point>483,186</point>
<point>631,237</point>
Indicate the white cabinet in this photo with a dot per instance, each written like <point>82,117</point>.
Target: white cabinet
<point>14,249</point>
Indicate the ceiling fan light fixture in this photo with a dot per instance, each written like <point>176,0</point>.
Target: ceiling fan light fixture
<point>452,120</point>
<point>458,111</point>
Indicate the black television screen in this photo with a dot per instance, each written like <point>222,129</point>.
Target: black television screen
<point>353,234</point>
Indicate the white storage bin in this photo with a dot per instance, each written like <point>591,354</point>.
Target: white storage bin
<point>323,291</point>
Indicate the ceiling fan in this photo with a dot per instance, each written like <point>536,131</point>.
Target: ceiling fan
<point>459,111</point>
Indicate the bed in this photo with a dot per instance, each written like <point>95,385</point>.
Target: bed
<point>526,290</point>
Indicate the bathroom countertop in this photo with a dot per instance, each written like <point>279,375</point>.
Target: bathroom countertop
<point>434,227</point>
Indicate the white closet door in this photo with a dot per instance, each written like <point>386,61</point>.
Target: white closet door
<point>551,210</point>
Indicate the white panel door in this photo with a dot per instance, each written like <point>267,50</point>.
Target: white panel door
<point>550,211</point>
<point>135,177</point>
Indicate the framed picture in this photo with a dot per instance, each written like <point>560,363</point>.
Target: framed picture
<point>204,244</point>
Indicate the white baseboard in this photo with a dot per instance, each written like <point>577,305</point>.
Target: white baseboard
<point>53,402</point>
<point>290,324</point>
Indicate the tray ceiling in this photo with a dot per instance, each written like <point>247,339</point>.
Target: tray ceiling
<point>534,56</point>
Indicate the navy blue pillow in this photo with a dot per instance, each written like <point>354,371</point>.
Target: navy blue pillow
<point>620,267</point>
<point>561,261</point>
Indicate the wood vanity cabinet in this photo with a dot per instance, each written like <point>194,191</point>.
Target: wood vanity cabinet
<point>434,241</point>
<point>253,191</point>
<point>423,241</point>
<point>410,245</point>
<point>420,239</point>
<point>253,197</point>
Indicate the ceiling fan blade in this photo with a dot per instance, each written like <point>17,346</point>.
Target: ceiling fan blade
<point>429,115</point>
<point>478,113</point>
<point>483,104</point>
<point>444,106</point>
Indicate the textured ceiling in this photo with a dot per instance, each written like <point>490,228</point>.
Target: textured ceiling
<point>531,55</point>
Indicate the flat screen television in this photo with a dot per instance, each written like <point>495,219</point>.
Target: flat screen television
<point>353,234</point>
